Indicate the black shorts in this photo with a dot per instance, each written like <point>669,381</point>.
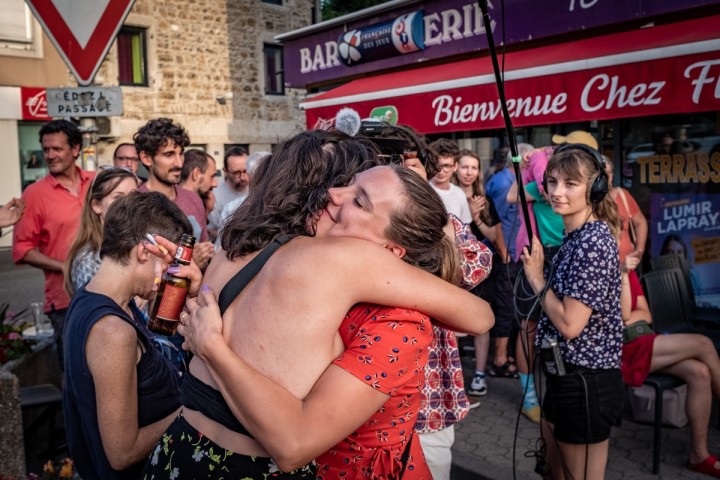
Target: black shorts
<point>585,404</point>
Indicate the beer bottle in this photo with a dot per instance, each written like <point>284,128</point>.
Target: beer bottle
<point>172,291</point>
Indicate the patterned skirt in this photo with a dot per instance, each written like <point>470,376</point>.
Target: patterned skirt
<point>183,452</point>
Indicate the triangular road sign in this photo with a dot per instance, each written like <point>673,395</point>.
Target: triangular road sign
<point>82,30</point>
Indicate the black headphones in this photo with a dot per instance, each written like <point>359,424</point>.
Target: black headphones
<point>600,186</point>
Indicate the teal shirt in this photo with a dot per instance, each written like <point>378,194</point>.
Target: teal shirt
<point>550,225</point>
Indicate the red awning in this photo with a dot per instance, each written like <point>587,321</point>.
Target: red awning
<point>651,71</point>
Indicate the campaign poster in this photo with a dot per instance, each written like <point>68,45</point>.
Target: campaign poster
<point>689,224</point>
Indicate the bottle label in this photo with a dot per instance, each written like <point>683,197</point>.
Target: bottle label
<point>172,302</point>
<point>184,254</point>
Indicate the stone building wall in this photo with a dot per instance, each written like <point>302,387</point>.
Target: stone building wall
<point>198,52</point>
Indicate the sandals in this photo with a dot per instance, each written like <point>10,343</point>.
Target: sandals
<point>707,466</point>
<point>506,370</point>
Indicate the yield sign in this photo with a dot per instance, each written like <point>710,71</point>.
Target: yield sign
<point>81,30</point>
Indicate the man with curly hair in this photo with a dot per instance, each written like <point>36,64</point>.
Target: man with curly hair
<point>160,144</point>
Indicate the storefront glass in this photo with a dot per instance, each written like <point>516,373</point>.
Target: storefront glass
<point>32,160</point>
<point>671,166</point>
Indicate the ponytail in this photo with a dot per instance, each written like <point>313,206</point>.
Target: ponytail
<point>607,211</point>
<point>450,268</point>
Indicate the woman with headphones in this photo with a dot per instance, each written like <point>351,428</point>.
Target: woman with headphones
<point>580,331</point>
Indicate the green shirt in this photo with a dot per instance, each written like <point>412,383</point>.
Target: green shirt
<point>550,225</point>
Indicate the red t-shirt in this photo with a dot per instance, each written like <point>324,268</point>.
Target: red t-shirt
<point>50,223</point>
<point>387,348</point>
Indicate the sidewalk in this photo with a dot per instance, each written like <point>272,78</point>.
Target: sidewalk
<point>491,439</point>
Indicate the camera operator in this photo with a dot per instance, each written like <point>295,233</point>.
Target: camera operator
<point>580,330</point>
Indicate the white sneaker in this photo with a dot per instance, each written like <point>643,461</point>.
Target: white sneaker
<point>478,386</point>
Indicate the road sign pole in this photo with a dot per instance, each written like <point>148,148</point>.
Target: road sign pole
<point>88,128</point>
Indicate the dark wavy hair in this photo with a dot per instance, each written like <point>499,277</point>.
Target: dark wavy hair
<point>74,137</point>
<point>155,134</point>
<point>129,218</point>
<point>290,187</point>
<point>444,147</point>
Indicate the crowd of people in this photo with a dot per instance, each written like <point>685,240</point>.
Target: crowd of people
<point>327,286</point>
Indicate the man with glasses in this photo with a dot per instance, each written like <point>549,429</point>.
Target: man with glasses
<point>126,156</point>
<point>452,196</point>
<point>43,236</point>
<point>235,185</point>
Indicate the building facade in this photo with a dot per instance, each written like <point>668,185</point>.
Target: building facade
<point>634,74</point>
<point>215,67</point>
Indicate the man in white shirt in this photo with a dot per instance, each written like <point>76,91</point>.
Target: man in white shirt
<point>235,185</point>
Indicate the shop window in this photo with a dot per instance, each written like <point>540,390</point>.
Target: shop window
<point>274,74</point>
<point>132,57</point>
<point>19,33</point>
<point>670,166</point>
<point>32,160</point>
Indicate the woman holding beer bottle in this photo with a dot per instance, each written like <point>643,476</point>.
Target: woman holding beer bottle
<point>120,392</point>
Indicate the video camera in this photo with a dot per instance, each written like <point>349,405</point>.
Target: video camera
<point>394,142</point>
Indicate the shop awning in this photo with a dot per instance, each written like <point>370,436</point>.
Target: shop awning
<point>651,71</point>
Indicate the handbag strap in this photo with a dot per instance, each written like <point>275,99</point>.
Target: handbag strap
<point>240,280</point>
<point>627,209</point>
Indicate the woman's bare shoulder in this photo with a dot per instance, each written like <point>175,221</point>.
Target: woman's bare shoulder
<point>337,248</point>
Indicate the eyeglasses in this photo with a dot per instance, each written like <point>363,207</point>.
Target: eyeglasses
<point>446,166</point>
<point>236,173</point>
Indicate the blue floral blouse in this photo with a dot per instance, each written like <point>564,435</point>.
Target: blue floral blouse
<point>587,268</point>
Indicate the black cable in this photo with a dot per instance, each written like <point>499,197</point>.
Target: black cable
<point>503,105</point>
<point>587,425</point>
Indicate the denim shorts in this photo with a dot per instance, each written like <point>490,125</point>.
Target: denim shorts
<point>584,404</point>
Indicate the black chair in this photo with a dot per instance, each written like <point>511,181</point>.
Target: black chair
<point>698,316</point>
<point>667,297</point>
<point>660,382</point>
<point>49,398</point>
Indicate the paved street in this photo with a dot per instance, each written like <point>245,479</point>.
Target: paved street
<point>486,446</point>
<point>19,285</point>
<point>493,437</point>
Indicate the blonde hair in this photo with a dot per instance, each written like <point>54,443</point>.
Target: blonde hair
<point>478,188</point>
